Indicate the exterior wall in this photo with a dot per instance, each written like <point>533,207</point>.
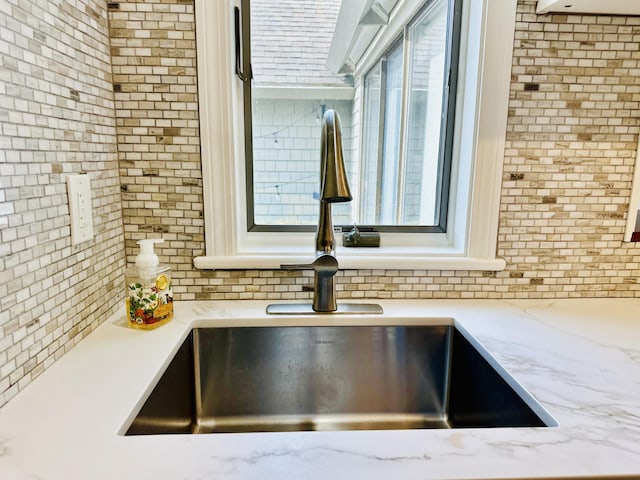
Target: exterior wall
<point>286,148</point>
<point>56,117</point>
<point>571,140</point>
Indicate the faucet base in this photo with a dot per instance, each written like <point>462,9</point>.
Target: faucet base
<point>307,309</point>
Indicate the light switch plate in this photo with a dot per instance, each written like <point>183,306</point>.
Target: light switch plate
<point>80,208</point>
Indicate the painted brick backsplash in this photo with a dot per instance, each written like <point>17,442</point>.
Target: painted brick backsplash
<point>110,89</point>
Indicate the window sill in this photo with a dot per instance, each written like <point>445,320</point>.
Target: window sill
<point>366,260</point>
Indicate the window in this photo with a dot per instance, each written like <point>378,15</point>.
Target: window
<point>400,99</point>
<point>285,44</point>
<point>382,168</point>
<point>403,172</point>
<point>406,176</point>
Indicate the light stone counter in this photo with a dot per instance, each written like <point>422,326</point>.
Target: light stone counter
<point>579,358</point>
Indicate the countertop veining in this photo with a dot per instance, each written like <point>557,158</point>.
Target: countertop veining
<point>579,358</point>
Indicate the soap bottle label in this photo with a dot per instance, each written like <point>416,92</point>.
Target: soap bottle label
<point>150,304</point>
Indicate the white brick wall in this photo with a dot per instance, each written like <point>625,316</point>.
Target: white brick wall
<point>287,171</point>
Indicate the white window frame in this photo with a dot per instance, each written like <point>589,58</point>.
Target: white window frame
<point>634,201</point>
<point>481,118</point>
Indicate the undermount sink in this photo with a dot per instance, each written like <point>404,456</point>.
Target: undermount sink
<point>264,379</point>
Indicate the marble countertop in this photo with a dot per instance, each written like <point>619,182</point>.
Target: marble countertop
<point>580,359</point>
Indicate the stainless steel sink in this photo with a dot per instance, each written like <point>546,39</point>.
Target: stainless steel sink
<point>263,379</point>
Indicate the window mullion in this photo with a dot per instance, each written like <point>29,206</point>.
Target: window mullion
<point>402,145</point>
<point>450,86</point>
<point>381,122</point>
<point>247,113</point>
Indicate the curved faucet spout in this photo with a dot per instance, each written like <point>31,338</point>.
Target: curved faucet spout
<point>333,176</point>
<point>334,186</point>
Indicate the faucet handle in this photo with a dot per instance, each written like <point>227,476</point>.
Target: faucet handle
<point>323,264</point>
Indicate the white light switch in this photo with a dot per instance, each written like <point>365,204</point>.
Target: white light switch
<point>79,190</point>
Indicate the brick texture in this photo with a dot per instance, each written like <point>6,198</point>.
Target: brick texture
<point>571,140</point>
<point>572,136</point>
<point>57,118</point>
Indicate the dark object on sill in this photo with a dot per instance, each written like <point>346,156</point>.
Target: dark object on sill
<point>356,238</point>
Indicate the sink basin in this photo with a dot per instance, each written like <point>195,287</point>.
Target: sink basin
<point>264,379</point>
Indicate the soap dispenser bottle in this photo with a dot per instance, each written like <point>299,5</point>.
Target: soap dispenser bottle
<point>149,289</point>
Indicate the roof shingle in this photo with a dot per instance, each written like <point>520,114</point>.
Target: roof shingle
<point>290,41</point>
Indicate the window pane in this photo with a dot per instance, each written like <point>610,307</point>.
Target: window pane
<point>428,42</point>
<point>291,89</point>
<point>286,160</point>
<point>380,179</point>
<point>370,148</point>
<point>397,173</point>
<point>391,150</point>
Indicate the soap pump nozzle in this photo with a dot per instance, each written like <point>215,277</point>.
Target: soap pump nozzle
<point>147,257</point>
